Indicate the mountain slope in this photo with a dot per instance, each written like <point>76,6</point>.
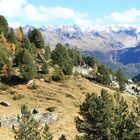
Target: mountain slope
<point>130,55</point>
<point>66,97</point>
<point>91,38</point>
<point>112,45</point>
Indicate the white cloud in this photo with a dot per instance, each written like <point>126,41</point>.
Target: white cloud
<point>57,12</point>
<point>128,16</point>
<point>11,8</point>
<point>24,9</point>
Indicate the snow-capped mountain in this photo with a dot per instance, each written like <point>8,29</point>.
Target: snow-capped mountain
<point>108,43</point>
<point>102,38</point>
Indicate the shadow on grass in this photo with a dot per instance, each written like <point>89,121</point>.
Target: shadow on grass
<point>13,80</point>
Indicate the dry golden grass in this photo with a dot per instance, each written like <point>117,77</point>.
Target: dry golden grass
<point>66,97</point>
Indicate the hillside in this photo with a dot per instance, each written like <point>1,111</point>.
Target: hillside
<point>66,97</point>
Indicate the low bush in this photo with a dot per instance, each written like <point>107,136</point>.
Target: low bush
<point>17,97</point>
<point>51,109</point>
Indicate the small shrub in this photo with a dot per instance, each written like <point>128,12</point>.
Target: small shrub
<point>33,87</point>
<point>58,76</point>
<point>48,79</point>
<point>51,109</point>
<point>3,86</point>
<point>17,97</point>
<point>13,92</point>
<point>44,68</point>
<point>40,76</point>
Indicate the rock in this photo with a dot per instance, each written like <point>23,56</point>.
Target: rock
<point>30,82</point>
<point>42,80</point>
<point>6,104</point>
<point>42,118</point>
<point>35,111</point>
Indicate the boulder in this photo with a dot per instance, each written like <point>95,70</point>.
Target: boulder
<point>30,82</point>
<point>3,103</point>
<point>42,80</point>
<point>35,111</point>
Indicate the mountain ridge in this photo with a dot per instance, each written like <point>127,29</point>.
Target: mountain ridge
<point>107,43</point>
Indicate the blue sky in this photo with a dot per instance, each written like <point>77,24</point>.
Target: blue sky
<point>60,12</point>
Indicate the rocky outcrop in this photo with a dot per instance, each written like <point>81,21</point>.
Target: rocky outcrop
<point>43,118</point>
<point>4,103</point>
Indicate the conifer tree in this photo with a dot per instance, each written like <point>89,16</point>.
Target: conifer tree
<point>45,68</point>
<point>25,43</point>
<point>122,79</point>
<point>47,53</point>
<point>104,76</point>
<point>62,59</point>
<point>20,28</point>
<point>26,65</point>
<point>32,49</point>
<point>11,37</point>
<point>67,66</point>
<point>59,54</point>
<point>46,134</point>
<point>28,128</point>
<point>5,56</point>
<point>75,55</point>
<point>90,61</point>
<point>97,121</point>
<point>58,75</point>
<point>3,25</point>
<point>36,37</point>
<point>126,127</point>
<point>18,53</point>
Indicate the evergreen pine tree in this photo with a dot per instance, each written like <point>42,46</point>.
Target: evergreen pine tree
<point>28,128</point>
<point>75,55</point>
<point>36,37</point>
<point>67,66</point>
<point>47,53</point>
<point>59,54</point>
<point>122,79</point>
<point>18,53</point>
<point>26,65</point>
<point>5,56</point>
<point>126,127</point>
<point>62,59</point>
<point>32,49</point>
<point>3,25</point>
<point>25,43</point>
<point>20,28</point>
<point>45,68</point>
<point>90,61</point>
<point>46,134</point>
<point>58,75</point>
<point>104,75</point>
<point>97,117</point>
<point>11,37</point>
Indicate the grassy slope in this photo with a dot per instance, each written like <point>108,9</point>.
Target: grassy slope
<point>66,97</point>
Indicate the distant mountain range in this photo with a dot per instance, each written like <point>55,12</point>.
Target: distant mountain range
<point>114,45</point>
